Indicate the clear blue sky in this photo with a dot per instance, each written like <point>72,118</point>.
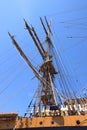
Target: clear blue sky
<point>68,18</point>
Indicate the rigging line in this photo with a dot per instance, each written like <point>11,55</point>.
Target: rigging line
<point>81,18</point>
<point>61,98</point>
<point>11,72</point>
<point>67,11</point>
<point>7,59</point>
<point>33,103</point>
<point>57,37</point>
<point>40,77</point>
<point>13,95</point>
<point>64,70</point>
<point>9,67</point>
<point>47,82</point>
<point>61,75</point>
<point>76,37</point>
<point>30,58</point>
<point>32,52</point>
<point>62,78</point>
<point>9,84</point>
<point>27,110</point>
<point>71,68</point>
<point>37,94</point>
<point>75,27</point>
<point>37,74</point>
<point>80,90</point>
<point>68,81</point>
<point>75,24</point>
<point>75,45</point>
<point>5,52</point>
<point>63,90</point>
<point>33,60</point>
<point>63,50</point>
<point>68,89</point>
<point>62,81</point>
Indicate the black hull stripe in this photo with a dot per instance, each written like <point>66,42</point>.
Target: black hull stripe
<point>55,128</point>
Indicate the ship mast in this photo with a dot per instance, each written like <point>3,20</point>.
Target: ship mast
<point>47,95</point>
<point>48,69</point>
<point>46,72</point>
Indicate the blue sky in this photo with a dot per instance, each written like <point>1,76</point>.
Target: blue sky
<point>68,18</point>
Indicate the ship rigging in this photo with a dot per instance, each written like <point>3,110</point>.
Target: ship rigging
<point>50,98</point>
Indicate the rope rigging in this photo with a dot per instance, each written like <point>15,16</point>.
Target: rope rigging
<point>48,93</point>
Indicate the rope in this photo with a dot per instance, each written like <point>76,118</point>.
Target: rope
<point>65,12</point>
<point>16,124</point>
<point>8,85</point>
<point>14,94</point>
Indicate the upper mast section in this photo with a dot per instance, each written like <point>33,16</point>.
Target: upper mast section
<point>48,34</point>
<point>36,39</point>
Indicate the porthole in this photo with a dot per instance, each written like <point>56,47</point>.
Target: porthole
<point>41,122</point>
<point>77,122</point>
<point>52,122</point>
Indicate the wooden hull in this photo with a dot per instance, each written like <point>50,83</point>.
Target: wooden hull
<point>13,122</point>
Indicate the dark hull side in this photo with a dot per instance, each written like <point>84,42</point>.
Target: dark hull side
<point>56,128</point>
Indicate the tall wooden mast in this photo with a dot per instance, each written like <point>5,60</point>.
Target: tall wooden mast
<point>47,71</point>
